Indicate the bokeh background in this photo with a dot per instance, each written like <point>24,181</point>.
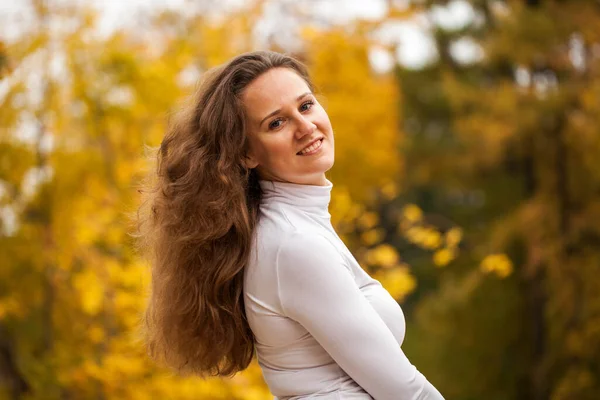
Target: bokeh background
<point>467,180</point>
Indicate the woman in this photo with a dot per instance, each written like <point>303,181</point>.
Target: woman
<point>244,254</point>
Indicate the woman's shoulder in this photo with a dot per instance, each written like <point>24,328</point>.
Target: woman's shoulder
<point>276,222</point>
<point>275,236</point>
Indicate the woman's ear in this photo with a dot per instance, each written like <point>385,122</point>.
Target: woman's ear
<point>249,161</point>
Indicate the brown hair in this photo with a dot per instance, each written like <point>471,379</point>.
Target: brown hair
<point>196,225</point>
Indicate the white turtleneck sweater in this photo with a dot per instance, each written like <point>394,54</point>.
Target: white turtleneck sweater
<point>324,328</point>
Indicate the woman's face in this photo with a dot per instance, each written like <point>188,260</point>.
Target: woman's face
<point>284,119</point>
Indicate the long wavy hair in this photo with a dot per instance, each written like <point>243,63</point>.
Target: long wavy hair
<point>196,222</point>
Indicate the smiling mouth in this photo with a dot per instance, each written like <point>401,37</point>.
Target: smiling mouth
<point>315,146</point>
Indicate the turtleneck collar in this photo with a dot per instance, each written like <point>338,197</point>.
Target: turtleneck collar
<point>310,198</point>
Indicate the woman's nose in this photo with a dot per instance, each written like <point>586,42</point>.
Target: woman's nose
<point>305,126</point>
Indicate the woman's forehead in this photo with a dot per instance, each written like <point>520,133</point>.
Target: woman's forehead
<point>273,90</point>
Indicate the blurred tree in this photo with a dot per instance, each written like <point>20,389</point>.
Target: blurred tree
<point>4,61</point>
<point>505,146</point>
<point>77,112</point>
<point>76,115</point>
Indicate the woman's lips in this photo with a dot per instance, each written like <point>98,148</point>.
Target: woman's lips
<point>318,144</point>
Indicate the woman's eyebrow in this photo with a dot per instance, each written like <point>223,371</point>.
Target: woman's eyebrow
<point>303,95</point>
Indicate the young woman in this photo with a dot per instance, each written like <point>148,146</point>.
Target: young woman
<point>243,252</point>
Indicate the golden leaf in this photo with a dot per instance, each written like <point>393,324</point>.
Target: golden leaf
<point>389,191</point>
<point>412,213</point>
<point>499,264</point>
<point>372,236</point>
<point>397,281</point>
<point>383,255</point>
<point>442,257</point>
<point>90,291</point>
<point>453,237</point>
<point>432,239</point>
<point>368,220</point>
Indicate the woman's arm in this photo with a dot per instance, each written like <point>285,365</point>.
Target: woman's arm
<point>317,290</point>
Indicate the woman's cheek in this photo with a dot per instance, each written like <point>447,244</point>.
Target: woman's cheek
<point>277,150</point>
<point>324,118</point>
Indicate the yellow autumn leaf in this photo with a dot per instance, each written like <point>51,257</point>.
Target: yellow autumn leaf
<point>453,237</point>
<point>96,334</point>
<point>499,264</point>
<point>368,220</point>
<point>413,234</point>
<point>341,203</point>
<point>309,33</point>
<point>383,255</point>
<point>389,191</point>
<point>10,306</point>
<point>372,236</point>
<point>432,239</point>
<point>90,291</point>
<point>412,213</point>
<point>443,257</point>
<point>397,281</point>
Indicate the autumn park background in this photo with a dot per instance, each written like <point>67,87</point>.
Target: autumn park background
<point>468,185</point>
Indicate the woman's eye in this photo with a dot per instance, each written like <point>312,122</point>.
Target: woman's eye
<point>275,124</point>
<point>306,106</point>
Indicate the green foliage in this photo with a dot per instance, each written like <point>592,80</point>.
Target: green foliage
<point>502,146</point>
